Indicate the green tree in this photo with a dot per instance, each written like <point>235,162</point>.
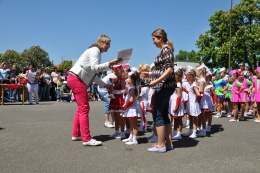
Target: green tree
<point>186,56</point>
<point>65,65</point>
<point>12,57</point>
<point>245,41</point>
<point>37,56</point>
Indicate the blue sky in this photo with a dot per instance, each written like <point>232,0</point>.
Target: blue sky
<point>65,28</point>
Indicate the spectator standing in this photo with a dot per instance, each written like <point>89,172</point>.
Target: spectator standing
<point>14,79</point>
<point>4,73</point>
<point>32,76</point>
<point>47,84</point>
<point>41,82</point>
<point>55,77</point>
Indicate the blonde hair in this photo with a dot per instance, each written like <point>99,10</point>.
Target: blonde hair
<point>103,38</point>
<point>144,67</point>
<point>160,33</point>
<point>203,72</point>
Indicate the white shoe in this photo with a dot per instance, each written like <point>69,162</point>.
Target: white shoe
<point>202,133</point>
<point>193,136</point>
<point>232,120</point>
<point>127,140</point>
<point>187,134</point>
<point>76,138</point>
<point>92,142</point>
<point>114,134</point>
<point>257,121</point>
<point>187,127</point>
<point>218,115</point>
<point>229,115</point>
<point>120,136</point>
<point>177,137</point>
<point>249,113</point>
<point>153,139</point>
<point>131,143</point>
<point>108,125</point>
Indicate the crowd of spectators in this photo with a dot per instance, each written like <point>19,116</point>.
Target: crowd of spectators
<point>41,84</point>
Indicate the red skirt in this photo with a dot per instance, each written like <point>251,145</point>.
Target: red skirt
<point>116,104</point>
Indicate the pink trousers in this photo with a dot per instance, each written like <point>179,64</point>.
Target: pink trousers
<point>81,118</point>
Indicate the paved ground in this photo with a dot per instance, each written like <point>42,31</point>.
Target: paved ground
<point>37,138</point>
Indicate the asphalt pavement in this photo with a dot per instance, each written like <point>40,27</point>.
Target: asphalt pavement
<point>37,138</point>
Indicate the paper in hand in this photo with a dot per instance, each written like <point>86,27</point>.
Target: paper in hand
<point>125,55</point>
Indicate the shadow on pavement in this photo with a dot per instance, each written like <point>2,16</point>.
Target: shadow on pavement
<point>216,128</point>
<point>185,143</point>
<point>103,138</point>
<point>1,128</point>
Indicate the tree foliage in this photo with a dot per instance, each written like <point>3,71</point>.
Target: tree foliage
<point>34,55</point>
<point>65,65</point>
<point>12,57</point>
<point>37,56</point>
<point>186,56</point>
<point>244,41</point>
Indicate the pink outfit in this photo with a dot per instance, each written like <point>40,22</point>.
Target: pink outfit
<point>256,93</point>
<point>234,96</point>
<point>81,118</point>
<point>244,96</point>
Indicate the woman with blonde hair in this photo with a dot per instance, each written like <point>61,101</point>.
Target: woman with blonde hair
<point>80,78</point>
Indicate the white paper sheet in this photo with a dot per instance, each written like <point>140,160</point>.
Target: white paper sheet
<point>125,55</point>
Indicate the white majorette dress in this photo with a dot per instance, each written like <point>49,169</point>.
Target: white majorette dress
<point>193,107</point>
<point>208,104</point>
<point>172,104</point>
<point>134,111</point>
<point>143,101</point>
<point>185,95</point>
<point>203,101</point>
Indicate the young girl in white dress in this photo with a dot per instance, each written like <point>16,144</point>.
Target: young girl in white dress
<point>211,100</point>
<point>176,106</point>
<point>193,107</point>
<point>132,109</point>
<point>201,74</point>
<point>143,98</point>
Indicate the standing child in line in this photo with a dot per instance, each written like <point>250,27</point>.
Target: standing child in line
<point>185,96</point>
<point>246,87</point>
<point>176,107</point>
<point>143,98</point>
<point>193,107</point>
<point>234,95</point>
<point>201,74</point>
<point>211,99</point>
<point>220,87</point>
<point>228,96</point>
<point>117,102</point>
<point>256,82</point>
<point>132,109</point>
